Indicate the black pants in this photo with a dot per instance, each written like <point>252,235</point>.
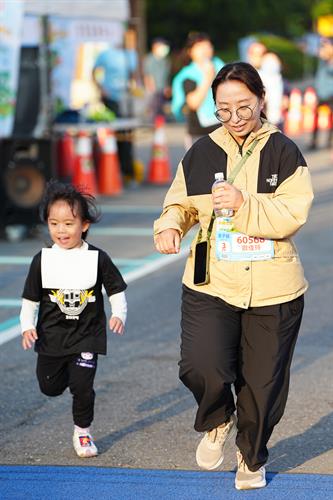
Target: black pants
<point>328,102</point>
<point>223,345</point>
<point>56,374</point>
<point>124,142</point>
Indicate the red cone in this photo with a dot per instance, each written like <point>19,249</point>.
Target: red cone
<point>109,175</point>
<point>84,171</point>
<point>159,171</point>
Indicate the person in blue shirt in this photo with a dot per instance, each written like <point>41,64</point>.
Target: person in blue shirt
<point>112,73</point>
<point>191,93</point>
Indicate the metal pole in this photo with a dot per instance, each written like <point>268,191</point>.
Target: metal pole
<point>44,121</point>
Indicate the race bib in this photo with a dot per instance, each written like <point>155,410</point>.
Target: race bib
<point>234,246</point>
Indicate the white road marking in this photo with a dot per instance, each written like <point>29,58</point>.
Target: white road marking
<point>130,209</point>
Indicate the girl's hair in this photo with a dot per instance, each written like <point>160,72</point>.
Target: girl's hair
<point>195,37</point>
<point>80,202</point>
<point>242,72</point>
<point>192,38</point>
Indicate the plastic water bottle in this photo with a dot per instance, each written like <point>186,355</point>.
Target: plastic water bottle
<point>219,181</point>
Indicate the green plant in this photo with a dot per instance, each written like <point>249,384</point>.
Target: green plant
<point>228,54</point>
<point>322,8</point>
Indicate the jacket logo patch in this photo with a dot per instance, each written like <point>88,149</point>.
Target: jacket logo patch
<point>273,180</point>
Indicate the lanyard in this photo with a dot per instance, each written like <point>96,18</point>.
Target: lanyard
<point>230,180</point>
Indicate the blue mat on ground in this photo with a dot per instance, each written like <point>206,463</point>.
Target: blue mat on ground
<point>57,483</point>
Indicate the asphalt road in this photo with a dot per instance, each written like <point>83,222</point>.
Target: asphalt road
<point>144,416</point>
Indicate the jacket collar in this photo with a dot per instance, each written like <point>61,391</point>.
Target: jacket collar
<point>225,140</point>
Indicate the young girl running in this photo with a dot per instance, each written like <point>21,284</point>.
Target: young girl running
<point>64,290</point>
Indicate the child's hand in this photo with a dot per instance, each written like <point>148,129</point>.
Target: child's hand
<point>116,325</point>
<point>28,339</point>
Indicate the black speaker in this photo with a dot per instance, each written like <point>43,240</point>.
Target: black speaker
<point>28,93</point>
<point>26,164</point>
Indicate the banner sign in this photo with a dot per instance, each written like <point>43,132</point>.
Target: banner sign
<point>31,31</point>
<point>111,32</point>
<point>66,35</point>
<point>62,50</point>
<point>11,18</point>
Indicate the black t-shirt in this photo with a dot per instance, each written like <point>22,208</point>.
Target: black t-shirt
<point>72,321</point>
<point>194,127</point>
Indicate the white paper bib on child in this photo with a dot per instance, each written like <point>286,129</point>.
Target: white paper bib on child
<point>72,269</point>
<point>234,246</point>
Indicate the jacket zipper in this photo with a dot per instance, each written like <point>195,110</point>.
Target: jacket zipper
<point>240,146</point>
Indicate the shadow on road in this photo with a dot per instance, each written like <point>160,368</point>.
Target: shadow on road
<point>297,450</point>
<point>176,400</point>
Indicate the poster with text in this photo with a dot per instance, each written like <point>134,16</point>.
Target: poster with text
<point>11,18</point>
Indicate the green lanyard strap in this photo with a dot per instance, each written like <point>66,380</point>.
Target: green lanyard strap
<point>230,180</point>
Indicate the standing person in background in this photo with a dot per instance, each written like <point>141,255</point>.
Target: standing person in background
<point>270,72</point>
<point>156,68</point>
<point>243,285</point>
<point>324,88</point>
<point>112,73</point>
<point>255,53</point>
<point>191,88</point>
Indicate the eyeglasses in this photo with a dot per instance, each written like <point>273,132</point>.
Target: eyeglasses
<point>243,112</point>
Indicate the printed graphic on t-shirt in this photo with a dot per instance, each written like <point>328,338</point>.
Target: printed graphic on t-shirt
<point>72,302</point>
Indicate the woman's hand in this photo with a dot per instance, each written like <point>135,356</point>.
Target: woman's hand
<point>227,196</point>
<point>208,69</point>
<point>168,241</point>
<point>28,339</point>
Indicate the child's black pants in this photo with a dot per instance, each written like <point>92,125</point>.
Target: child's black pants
<point>75,371</point>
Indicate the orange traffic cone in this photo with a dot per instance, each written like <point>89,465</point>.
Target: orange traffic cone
<point>324,117</point>
<point>293,123</point>
<point>66,156</point>
<point>109,176</point>
<point>159,171</point>
<point>309,109</point>
<point>84,171</point>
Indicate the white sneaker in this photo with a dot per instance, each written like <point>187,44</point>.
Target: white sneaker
<point>210,451</point>
<point>246,479</point>
<point>84,445</point>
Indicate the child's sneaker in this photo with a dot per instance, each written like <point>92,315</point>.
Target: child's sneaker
<point>246,479</point>
<point>83,444</point>
<point>210,452</point>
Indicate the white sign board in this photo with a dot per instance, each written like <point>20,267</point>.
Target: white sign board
<point>91,9</point>
<point>11,18</point>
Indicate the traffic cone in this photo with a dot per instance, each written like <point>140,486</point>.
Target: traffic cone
<point>66,156</point>
<point>324,117</point>
<point>293,123</point>
<point>109,175</point>
<point>309,109</point>
<point>84,171</point>
<point>159,171</point>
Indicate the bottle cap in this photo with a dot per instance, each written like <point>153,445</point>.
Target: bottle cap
<point>219,176</point>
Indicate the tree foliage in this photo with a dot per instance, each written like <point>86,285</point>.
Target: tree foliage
<point>227,20</point>
<point>322,8</point>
